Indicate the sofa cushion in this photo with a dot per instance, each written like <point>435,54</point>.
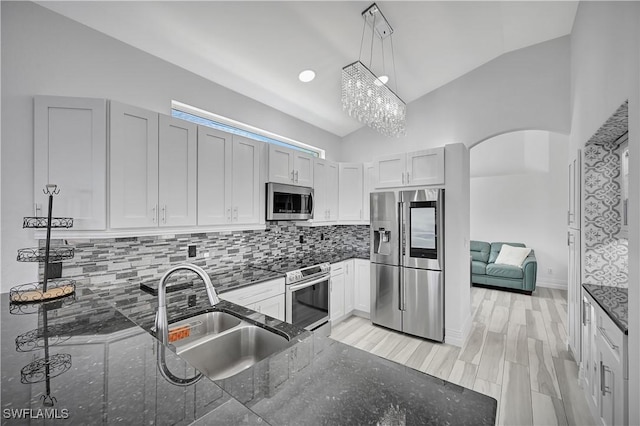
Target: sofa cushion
<point>480,250</point>
<point>513,256</point>
<point>495,250</point>
<point>504,271</point>
<point>478,268</point>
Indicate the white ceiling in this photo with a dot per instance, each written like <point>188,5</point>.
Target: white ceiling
<point>258,48</point>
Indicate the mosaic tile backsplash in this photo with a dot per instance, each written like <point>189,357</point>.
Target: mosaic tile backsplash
<point>108,263</point>
<point>606,252</point>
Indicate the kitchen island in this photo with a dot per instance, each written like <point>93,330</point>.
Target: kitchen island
<point>103,368</point>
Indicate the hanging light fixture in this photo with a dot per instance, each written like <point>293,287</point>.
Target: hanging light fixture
<point>366,96</point>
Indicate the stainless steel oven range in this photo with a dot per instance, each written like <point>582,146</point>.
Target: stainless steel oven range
<point>307,293</point>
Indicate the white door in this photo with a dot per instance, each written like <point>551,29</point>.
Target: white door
<point>303,168</point>
<point>320,208</point>
<point>575,176</point>
<point>246,180</point>
<point>70,150</point>
<point>336,303</point>
<point>390,171</point>
<point>350,192</point>
<point>363,285</point>
<point>133,159</point>
<point>574,319</point>
<point>425,167</point>
<point>177,172</point>
<point>281,164</point>
<point>332,190</point>
<point>214,176</point>
<point>368,186</point>
<point>349,286</point>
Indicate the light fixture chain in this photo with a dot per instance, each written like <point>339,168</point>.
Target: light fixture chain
<point>373,31</point>
<point>393,59</point>
<point>364,27</point>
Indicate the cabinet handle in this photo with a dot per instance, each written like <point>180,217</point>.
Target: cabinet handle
<point>229,214</point>
<point>155,213</point>
<point>607,339</point>
<point>568,217</point>
<point>604,389</point>
<point>296,176</point>
<point>584,313</point>
<point>408,179</point>
<point>36,209</point>
<point>164,214</point>
<point>293,176</point>
<point>403,178</point>
<point>235,213</point>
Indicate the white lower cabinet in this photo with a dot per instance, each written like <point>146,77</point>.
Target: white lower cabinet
<point>349,287</point>
<point>362,286</point>
<point>267,297</point>
<point>336,297</point>
<point>605,365</point>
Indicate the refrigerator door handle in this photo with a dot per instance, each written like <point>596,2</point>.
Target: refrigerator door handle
<point>401,288</point>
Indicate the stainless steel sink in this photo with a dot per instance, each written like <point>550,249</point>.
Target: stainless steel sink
<point>225,354</point>
<point>203,325</point>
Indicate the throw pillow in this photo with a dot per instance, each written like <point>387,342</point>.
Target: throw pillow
<point>510,255</point>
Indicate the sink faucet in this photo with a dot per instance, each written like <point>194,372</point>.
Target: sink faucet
<point>162,323</point>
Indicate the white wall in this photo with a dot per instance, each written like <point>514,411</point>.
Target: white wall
<point>521,90</point>
<point>605,70</point>
<point>45,53</point>
<point>515,196</point>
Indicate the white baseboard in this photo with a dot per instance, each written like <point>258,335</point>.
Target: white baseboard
<point>458,337</point>
<point>551,283</point>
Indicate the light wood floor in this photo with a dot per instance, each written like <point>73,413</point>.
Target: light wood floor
<point>516,353</point>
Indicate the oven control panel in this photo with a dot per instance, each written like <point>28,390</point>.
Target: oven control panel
<point>307,273</point>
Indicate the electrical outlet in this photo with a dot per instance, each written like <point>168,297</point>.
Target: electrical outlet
<point>206,254</point>
<point>192,251</point>
<point>321,236</point>
<point>302,239</point>
<point>191,300</point>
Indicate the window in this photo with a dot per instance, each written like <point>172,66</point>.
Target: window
<point>205,118</point>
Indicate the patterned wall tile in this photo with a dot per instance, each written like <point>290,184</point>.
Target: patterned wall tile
<point>606,252</point>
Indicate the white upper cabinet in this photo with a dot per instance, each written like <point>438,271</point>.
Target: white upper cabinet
<point>290,166</point>
<point>70,149</point>
<point>228,178</point>
<point>389,171</point>
<point>177,172</point>
<point>214,176</point>
<point>153,163</point>
<point>246,181</point>
<point>133,155</point>
<point>350,192</point>
<point>368,186</point>
<point>411,169</point>
<point>325,191</point>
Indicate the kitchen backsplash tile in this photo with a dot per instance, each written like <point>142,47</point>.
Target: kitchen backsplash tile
<point>112,262</point>
<point>606,252</point>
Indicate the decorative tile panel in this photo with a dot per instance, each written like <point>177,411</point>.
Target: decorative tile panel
<point>112,262</point>
<point>606,252</point>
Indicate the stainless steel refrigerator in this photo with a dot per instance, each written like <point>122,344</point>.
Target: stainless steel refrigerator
<point>407,260</point>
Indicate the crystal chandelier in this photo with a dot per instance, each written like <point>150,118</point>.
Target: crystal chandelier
<point>367,97</point>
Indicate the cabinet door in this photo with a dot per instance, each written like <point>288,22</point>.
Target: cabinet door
<point>425,167</point>
<point>280,164</point>
<point>390,171</point>
<point>70,149</point>
<point>574,319</point>
<point>214,176</point>
<point>177,172</point>
<point>575,177</point>
<point>133,159</point>
<point>363,285</point>
<point>246,180</point>
<point>590,355</point>
<point>320,208</point>
<point>336,305</point>
<point>350,192</point>
<point>368,186</point>
<point>612,392</point>
<point>349,286</point>
<point>303,168</point>
<point>332,191</point>
<point>273,306</point>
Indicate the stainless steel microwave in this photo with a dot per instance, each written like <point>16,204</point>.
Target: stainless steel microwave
<point>289,202</point>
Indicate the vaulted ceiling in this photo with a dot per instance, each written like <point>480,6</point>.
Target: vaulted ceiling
<point>259,48</point>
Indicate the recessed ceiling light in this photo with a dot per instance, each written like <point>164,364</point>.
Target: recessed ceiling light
<point>383,79</point>
<point>306,76</point>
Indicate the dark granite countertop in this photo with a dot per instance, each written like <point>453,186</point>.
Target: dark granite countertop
<point>614,301</point>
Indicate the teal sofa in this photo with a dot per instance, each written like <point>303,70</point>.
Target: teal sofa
<point>485,272</point>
